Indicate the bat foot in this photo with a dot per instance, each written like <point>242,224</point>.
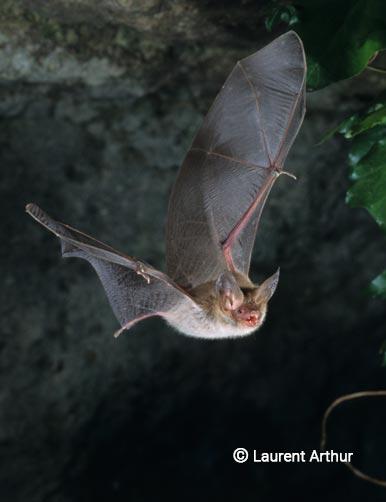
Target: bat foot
<point>119,332</point>
<point>288,174</point>
<point>140,270</point>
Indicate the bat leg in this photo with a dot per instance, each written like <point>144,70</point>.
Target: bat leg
<point>289,174</point>
<point>131,323</point>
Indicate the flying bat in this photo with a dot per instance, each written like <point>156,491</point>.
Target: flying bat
<point>214,208</point>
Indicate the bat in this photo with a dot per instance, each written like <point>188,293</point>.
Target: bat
<point>214,208</point>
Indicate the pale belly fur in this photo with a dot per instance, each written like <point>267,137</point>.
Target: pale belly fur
<point>199,324</point>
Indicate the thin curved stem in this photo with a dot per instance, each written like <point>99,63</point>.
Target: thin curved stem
<point>377,70</point>
<point>327,413</point>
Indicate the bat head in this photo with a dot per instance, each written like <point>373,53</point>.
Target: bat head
<point>250,309</point>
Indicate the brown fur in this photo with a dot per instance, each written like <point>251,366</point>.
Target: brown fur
<point>206,296</point>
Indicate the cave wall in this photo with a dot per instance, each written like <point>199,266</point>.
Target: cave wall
<point>99,101</point>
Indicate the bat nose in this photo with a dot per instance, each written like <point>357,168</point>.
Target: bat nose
<point>247,314</point>
<point>254,316</point>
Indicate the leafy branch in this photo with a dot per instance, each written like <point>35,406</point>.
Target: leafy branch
<point>367,161</point>
<point>341,37</point>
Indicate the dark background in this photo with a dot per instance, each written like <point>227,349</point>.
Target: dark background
<point>99,101</point>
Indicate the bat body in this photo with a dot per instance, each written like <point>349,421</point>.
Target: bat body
<point>214,208</point>
<point>211,320</point>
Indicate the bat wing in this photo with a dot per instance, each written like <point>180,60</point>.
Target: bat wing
<point>135,290</point>
<point>236,156</point>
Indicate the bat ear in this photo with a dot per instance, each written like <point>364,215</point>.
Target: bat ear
<point>231,296</point>
<point>266,289</point>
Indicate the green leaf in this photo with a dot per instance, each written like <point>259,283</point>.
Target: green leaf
<point>378,288</point>
<point>277,14</point>
<point>375,118</point>
<point>357,124</point>
<point>343,128</point>
<point>362,144</point>
<point>367,158</point>
<point>369,189</point>
<point>340,36</point>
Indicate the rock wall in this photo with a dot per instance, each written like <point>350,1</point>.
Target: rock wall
<point>99,102</point>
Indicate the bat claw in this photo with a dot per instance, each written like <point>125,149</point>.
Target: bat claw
<point>140,270</point>
<point>278,171</point>
<point>289,174</point>
<point>118,332</point>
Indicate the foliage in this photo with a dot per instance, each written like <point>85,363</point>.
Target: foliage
<point>340,36</point>
<point>279,13</point>
<point>367,160</point>
<point>378,287</point>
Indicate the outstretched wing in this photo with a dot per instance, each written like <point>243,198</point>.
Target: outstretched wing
<point>135,290</point>
<point>222,186</point>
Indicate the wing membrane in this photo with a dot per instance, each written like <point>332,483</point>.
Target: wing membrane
<point>135,290</point>
<point>235,157</point>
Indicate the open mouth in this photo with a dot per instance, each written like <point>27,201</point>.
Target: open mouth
<point>252,320</point>
<point>246,316</point>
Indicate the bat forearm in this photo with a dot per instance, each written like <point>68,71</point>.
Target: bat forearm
<point>240,225</point>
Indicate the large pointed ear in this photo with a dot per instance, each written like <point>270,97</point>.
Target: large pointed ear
<point>266,289</point>
<point>231,296</point>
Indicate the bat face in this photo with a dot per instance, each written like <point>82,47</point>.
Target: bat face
<point>214,209</point>
<point>231,307</point>
<point>246,307</point>
<point>250,314</point>
<point>251,311</point>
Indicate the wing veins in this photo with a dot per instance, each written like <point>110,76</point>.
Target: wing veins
<point>227,157</point>
<point>209,212</point>
<point>129,262</point>
<point>262,131</point>
<point>285,93</point>
<point>290,118</point>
